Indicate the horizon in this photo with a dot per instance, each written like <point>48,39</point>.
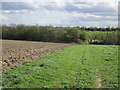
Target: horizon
<point>58,26</point>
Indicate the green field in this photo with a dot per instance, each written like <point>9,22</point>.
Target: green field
<point>80,66</point>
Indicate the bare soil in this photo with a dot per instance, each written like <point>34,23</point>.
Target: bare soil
<point>18,52</point>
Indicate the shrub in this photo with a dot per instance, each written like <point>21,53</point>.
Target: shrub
<point>72,34</point>
<point>83,36</point>
<point>106,38</point>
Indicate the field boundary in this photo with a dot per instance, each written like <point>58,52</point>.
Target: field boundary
<point>19,52</point>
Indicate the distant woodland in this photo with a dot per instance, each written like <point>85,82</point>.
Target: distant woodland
<point>80,35</point>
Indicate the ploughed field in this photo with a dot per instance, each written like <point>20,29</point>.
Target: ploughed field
<point>18,52</point>
<point>80,66</point>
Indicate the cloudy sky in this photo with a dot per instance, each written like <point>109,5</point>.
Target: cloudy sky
<point>100,13</point>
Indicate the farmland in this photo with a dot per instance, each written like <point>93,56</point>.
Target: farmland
<point>18,52</point>
<point>79,66</point>
<point>60,44</point>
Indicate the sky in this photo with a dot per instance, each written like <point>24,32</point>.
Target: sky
<point>88,13</point>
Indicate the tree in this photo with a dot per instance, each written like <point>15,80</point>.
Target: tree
<point>72,34</point>
<point>83,35</point>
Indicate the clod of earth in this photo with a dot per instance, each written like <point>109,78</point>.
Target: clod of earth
<point>18,52</point>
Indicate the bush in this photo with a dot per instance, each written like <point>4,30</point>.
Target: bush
<point>105,38</point>
<point>83,36</point>
<point>72,35</point>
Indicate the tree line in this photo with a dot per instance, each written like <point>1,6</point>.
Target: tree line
<point>99,28</point>
<point>61,34</point>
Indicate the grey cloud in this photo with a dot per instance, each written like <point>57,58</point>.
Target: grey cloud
<point>89,18</point>
<point>91,21</point>
<point>101,9</point>
<point>16,6</point>
<point>70,8</point>
<point>50,6</point>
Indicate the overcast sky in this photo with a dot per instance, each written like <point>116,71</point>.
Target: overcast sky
<point>100,13</point>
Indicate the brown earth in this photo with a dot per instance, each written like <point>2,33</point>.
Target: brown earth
<point>17,52</point>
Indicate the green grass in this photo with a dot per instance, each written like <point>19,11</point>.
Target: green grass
<point>91,33</point>
<point>73,67</point>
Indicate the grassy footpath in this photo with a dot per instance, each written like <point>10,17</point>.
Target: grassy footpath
<point>73,67</point>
